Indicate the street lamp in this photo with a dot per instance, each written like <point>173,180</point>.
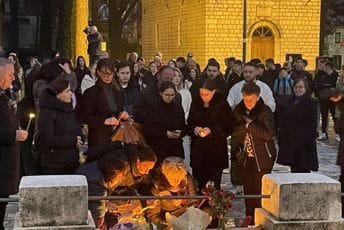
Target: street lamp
<point>244,39</point>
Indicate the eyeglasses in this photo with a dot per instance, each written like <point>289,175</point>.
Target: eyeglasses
<point>168,95</point>
<point>106,73</point>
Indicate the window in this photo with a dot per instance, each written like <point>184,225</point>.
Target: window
<point>262,32</point>
<point>337,37</point>
<point>337,61</point>
<point>103,12</point>
<point>292,57</point>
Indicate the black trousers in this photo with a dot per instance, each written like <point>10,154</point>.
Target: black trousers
<point>325,107</point>
<point>203,177</point>
<point>252,181</point>
<point>2,213</point>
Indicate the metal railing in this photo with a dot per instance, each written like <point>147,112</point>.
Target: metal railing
<point>199,197</point>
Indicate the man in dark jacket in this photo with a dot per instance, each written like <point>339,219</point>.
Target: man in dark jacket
<point>94,39</point>
<point>103,105</point>
<point>324,83</point>
<point>9,136</point>
<point>212,71</point>
<point>130,90</point>
<point>300,72</point>
<point>254,130</point>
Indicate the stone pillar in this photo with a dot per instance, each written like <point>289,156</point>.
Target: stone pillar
<point>53,202</point>
<point>300,201</point>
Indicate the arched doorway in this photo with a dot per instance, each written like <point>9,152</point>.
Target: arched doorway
<point>262,46</point>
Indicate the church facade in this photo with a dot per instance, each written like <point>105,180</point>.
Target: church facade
<point>214,28</point>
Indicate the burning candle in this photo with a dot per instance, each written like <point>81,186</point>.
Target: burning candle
<point>31,116</point>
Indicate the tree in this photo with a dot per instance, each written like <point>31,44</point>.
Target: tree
<point>66,28</point>
<point>46,22</point>
<point>13,27</point>
<point>119,13</point>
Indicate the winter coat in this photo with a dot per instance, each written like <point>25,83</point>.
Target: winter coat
<point>94,41</point>
<point>260,132</point>
<point>9,149</point>
<point>339,129</point>
<point>323,82</point>
<point>147,80</point>
<point>161,187</point>
<point>269,77</point>
<point>96,187</point>
<point>210,152</point>
<point>133,179</point>
<point>57,134</point>
<point>131,95</point>
<point>160,118</point>
<point>96,109</point>
<point>150,96</point>
<point>297,125</point>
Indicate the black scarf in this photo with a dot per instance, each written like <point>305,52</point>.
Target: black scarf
<point>109,95</point>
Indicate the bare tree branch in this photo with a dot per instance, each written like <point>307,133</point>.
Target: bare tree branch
<point>128,11</point>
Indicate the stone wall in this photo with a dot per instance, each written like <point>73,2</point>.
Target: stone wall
<point>173,28</point>
<point>212,28</point>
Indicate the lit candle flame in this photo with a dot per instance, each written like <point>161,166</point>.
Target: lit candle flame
<point>31,116</point>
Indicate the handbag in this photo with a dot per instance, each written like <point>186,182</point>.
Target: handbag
<point>128,132</point>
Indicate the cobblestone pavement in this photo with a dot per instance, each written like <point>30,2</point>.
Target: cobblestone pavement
<point>327,153</point>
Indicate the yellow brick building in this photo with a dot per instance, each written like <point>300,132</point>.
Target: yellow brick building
<point>214,28</point>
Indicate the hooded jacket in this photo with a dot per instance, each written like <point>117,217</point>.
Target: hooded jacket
<point>57,130</point>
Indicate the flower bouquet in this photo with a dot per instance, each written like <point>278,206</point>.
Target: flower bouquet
<point>220,202</point>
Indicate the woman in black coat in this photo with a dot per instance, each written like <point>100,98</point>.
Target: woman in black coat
<point>165,123</point>
<point>59,133</point>
<point>297,130</point>
<point>103,105</point>
<point>210,122</point>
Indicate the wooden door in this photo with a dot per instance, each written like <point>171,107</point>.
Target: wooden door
<point>262,45</point>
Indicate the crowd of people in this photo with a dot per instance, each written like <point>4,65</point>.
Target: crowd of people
<point>269,111</point>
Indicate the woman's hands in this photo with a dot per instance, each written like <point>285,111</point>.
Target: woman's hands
<point>336,98</point>
<point>113,121</point>
<point>202,132</point>
<point>173,134</point>
<point>79,141</point>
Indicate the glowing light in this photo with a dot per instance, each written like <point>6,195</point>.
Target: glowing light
<point>31,116</point>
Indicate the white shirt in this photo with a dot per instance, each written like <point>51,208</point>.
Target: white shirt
<point>235,96</point>
<point>186,101</point>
